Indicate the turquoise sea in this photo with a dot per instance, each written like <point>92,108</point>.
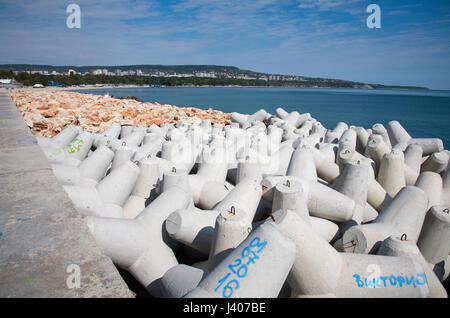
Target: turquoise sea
<point>423,113</point>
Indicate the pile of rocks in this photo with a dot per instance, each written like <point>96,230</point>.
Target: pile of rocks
<point>267,206</point>
<point>48,112</point>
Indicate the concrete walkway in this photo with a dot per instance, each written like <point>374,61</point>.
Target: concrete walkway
<point>41,234</point>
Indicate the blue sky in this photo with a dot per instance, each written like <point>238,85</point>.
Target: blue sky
<point>321,38</point>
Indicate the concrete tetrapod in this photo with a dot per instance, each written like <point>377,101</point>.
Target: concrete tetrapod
<point>334,135</point>
<point>362,139</point>
<point>112,132</point>
<point>305,169</point>
<point>431,183</point>
<point>329,150</point>
<point>392,172</point>
<point>245,196</point>
<point>403,215</point>
<point>347,142</point>
<point>289,195</point>
<point>144,189</point>
<point>122,154</point>
<point>395,246</point>
<point>327,203</point>
<point>245,119</point>
<point>398,134</point>
<point>125,131</point>
<point>207,185</point>
<point>89,172</point>
<point>193,227</point>
<point>413,162</point>
<point>320,271</point>
<point>322,201</point>
<point>109,195</point>
<point>180,280</point>
<point>182,154</point>
<point>172,178</point>
<point>445,195</point>
<point>249,170</point>
<point>151,146</point>
<point>353,183</point>
<point>132,140</point>
<point>280,112</point>
<point>346,154</point>
<point>379,129</point>
<point>437,162</point>
<point>428,145</point>
<point>377,148</point>
<point>434,240</point>
<point>140,245</point>
<point>73,153</point>
<point>231,228</point>
<point>281,159</point>
<point>61,140</point>
<point>326,167</point>
<point>257,268</point>
<point>377,196</point>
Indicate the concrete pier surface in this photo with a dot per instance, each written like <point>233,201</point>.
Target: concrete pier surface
<point>45,245</point>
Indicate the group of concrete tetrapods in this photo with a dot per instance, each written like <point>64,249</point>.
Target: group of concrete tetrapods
<point>267,206</point>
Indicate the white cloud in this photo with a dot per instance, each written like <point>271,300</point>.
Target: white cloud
<point>328,5</point>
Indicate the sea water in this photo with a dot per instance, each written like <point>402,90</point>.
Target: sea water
<point>423,113</point>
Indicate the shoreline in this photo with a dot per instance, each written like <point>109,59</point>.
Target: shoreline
<point>92,87</point>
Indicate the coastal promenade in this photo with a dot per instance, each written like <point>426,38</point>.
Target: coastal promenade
<point>45,245</point>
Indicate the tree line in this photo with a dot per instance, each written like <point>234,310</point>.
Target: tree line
<point>90,79</point>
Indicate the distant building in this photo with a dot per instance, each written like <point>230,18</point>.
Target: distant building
<point>97,72</point>
<point>246,77</point>
<point>71,72</point>
<point>204,74</point>
<point>9,83</point>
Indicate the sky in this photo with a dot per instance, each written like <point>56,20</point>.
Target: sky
<point>318,38</point>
